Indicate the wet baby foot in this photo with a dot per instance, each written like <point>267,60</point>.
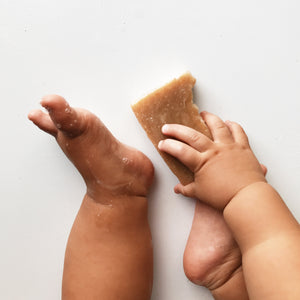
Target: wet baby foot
<point>107,165</point>
<point>212,257</point>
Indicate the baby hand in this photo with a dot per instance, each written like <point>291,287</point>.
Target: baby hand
<point>222,166</point>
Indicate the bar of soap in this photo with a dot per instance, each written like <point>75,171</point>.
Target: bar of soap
<point>171,104</point>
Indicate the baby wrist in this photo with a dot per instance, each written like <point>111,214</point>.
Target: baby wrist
<point>247,214</point>
<point>247,188</point>
<point>239,196</point>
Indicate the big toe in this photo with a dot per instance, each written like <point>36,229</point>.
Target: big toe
<point>65,118</point>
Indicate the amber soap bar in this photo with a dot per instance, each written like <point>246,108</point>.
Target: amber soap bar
<point>171,104</point>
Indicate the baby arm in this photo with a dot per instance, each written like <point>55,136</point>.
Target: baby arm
<point>228,176</point>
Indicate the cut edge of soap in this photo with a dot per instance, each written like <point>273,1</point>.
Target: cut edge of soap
<point>187,73</point>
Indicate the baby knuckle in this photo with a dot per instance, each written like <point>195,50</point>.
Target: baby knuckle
<point>187,191</point>
<point>246,142</point>
<point>219,124</point>
<point>245,146</point>
<point>198,166</point>
<point>214,152</point>
<point>194,138</point>
<point>183,191</point>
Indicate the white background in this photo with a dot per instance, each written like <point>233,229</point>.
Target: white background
<point>104,55</point>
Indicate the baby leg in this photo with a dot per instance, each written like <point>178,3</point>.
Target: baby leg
<point>109,250</point>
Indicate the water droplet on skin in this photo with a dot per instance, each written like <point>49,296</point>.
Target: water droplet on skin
<point>67,144</point>
<point>68,110</point>
<point>125,160</point>
<point>75,121</point>
<point>58,125</point>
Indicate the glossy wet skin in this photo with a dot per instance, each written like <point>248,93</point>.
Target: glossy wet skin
<point>110,237</point>
<point>105,164</point>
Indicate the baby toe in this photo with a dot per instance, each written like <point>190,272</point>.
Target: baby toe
<point>66,119</point>
<point>43,121</point>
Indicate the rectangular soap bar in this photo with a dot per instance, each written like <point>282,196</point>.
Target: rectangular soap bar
<point>171,104</point>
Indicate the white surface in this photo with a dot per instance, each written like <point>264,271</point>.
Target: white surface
<point>107,54</point>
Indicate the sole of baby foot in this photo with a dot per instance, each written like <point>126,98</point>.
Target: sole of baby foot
<point>107,165</point>
<point>212,257</point>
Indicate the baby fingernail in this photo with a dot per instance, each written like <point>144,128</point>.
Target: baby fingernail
<point>165,128</point>
<point>160,144</point>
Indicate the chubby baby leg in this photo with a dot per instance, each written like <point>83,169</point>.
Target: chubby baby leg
<point>109,251</point>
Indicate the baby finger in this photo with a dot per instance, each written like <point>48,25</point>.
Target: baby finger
<point>183,152</point>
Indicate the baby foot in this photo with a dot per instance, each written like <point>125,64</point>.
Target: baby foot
<point>107,166</point>
<point>212,257</point>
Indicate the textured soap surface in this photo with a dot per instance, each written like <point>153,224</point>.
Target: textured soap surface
<point>171,104</point>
